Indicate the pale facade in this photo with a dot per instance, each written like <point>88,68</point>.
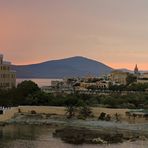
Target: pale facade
<point>99,84</point>
<point>144,75</point>
<point>7,76</point>
<point>119,77</point>
<point>143,78</point>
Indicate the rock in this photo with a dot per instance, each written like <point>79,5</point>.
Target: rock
<point>98,141</point>
<point>83,135</point>
<point>2,123</point>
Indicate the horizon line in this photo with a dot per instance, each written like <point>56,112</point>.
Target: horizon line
<point>121,68</point>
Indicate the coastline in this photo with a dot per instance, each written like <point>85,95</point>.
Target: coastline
<point>55,117</point>
<point>89,131</point>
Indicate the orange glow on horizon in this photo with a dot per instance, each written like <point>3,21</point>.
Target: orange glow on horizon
<point>107,31</point>
<point>112,65</point>
<point>129,66</point>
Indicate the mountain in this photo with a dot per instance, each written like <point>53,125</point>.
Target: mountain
<point>69,67</point>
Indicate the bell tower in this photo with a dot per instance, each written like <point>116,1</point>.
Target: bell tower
<point>136,71</point>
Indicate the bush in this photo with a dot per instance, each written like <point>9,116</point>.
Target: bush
<point>102,116</point>
<point>33,112</point>
<point>85,112</point>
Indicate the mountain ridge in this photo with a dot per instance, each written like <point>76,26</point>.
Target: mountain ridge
<point>69,67</point>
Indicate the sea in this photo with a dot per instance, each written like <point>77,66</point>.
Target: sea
<point>35,136</point>
<point>39,82</point>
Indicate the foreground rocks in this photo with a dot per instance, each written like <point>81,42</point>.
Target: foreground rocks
<point>88,131</point>
<point>77,135</point>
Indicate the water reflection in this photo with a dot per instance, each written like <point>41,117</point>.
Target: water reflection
<point>30,136</point>
<point>12,132</point>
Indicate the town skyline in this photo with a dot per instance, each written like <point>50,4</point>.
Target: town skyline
<point>112,32</point>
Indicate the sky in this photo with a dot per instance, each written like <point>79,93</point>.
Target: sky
<point>114,32</point>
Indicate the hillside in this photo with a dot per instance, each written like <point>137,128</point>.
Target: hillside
<point>69,67</point>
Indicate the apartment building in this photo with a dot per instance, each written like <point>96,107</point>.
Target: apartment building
<point>7,76</point>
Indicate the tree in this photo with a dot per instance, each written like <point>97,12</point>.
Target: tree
<point>117,87</point>
<point>131,79</point>
<point>138,87</point>
<point>85,111</point>
<point>38,98</point>
<point>71,107</point>
<point>27,87</point>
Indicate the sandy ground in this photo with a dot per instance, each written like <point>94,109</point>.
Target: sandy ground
<point>61,111</point>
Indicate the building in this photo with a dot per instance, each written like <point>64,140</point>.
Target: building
<point>7,76</point>
<point>103,84</point>
<point>145,75</point>
<point>136,71</point>
<point>143,78</point>
<point>96,85</point>
<point>118,77</point>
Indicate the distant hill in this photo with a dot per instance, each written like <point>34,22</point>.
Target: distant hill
<point>130,71</point>
<point>69,67</point>
<point>126,70</point>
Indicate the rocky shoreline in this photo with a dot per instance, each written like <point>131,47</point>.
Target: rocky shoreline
<point>79,135</point>
<point>90,131</point>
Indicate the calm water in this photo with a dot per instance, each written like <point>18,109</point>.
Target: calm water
<point>31,136</point>
<point>40,82</point>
